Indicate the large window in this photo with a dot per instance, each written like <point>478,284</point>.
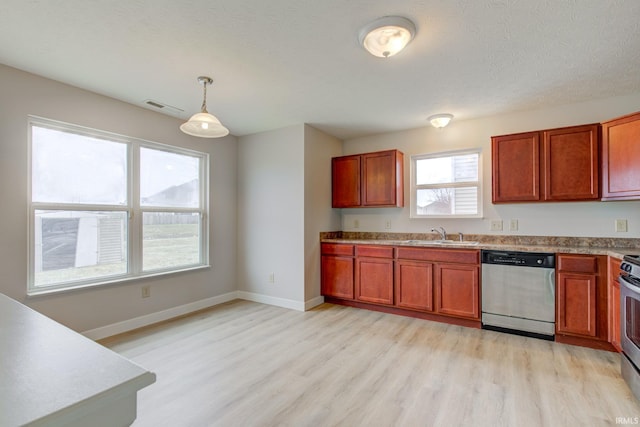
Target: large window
<point>107,208</point>
<point>446,185</point>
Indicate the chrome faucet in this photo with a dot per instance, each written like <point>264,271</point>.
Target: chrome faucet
<point>441,231</point>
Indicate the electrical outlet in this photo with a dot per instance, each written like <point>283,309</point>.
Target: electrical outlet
<point>272,278</point>
<point>146,291</point>
<point>621,225</point>
<point>513,225</point>
<point>496,225</point>
<point>387,224</point>
<point>356,223</point>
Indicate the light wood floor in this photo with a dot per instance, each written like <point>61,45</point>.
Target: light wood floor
<point>249,364</point>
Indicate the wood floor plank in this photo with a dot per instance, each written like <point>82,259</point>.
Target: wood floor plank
<point>249,364</point>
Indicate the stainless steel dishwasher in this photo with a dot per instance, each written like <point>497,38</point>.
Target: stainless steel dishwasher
<point>518,293</point>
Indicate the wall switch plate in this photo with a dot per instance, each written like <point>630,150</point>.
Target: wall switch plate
<point>496,225</point>
<point>621,225</point>
<point>356,223</point>
<point>272,278</point>
<point>146,291</point>
<point>387,224</point>
<point>513,225</point>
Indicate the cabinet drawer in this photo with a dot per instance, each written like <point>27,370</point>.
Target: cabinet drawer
<point>578,264</point>
<point>375,251</point>
<point>440,255</point>
<point>336,249</point>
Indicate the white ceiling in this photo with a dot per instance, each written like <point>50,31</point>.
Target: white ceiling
<point>282,62</point>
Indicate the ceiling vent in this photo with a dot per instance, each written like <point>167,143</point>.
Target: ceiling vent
<point>160,106</point>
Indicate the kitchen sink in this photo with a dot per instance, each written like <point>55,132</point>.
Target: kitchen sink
<point>442,242</point>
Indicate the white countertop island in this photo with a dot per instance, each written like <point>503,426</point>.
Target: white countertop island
<point>52,376</point>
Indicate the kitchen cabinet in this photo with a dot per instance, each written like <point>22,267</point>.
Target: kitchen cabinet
<point>581,296</point>
<point>436,284</point>
<point>457,290</point>
<point>550,165</point>
<point>414,284</point>
<point>374,274</point>
<point>620,158</point>
<point>614,303</point>
<point>368,180</point>
<point>515,167</point>
<point>444,281</point>
<point>337,270</point>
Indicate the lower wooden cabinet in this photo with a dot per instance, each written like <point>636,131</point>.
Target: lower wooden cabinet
<point>581,297</point>
<point>414,284</point>
<point>457,290</point>
<point>374,277</point>
<point>409,280</point>
<point>577,308</point>
<point>336,270</point>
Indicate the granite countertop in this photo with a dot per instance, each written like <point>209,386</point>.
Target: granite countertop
<point>614,247</point>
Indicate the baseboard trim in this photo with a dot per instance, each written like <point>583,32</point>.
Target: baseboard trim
<point>308,305</point>
<point>266,299</point>
<point>170,313</point>
<point>159,316</point>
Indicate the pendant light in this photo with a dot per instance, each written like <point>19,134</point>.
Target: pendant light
<point>387,36</point>
<point>203,124</point>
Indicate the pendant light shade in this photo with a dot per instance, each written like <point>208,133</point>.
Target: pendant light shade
<point>203,124</point>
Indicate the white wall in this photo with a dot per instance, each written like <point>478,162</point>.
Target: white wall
<point>577,219</point>
<point>284,202</point>
<point>22,94</point>
<point>271,216</point>
<point>318,214</point>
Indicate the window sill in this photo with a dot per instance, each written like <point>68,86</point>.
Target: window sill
<point>34,293</point>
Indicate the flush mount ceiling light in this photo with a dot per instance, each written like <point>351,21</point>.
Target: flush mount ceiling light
<point>440,120</point>
<point>387,36</point>
<point>203,124</point>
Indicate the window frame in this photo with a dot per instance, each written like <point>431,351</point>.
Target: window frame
<point>414,187</point>
<point>132,207</point>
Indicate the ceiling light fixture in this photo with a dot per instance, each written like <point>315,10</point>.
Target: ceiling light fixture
<point>440,120</point>
<point>203,124</point>
<point>387,36</point>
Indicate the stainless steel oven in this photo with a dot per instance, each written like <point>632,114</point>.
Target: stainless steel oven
<point>630,321</point>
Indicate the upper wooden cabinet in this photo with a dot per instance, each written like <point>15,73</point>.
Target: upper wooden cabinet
<point>620,158</point>
<point>368,180</point>
<point>515,167</point>
<point>550,165</point>
<point>571,166</point>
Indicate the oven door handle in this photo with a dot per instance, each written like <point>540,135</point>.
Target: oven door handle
<point>628,285</point>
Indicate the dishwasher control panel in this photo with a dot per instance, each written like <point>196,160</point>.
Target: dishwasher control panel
<point>519,259</point>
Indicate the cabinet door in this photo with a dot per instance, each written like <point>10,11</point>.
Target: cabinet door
<point>571,163</point>
<point>382,179</point>
<point>457,290</point>
<point>576,304</point>
<point>620,158</point>
<point>345,181</point>
<point>337,276</point>
<point>414,285</point>
<point>374,280</point>
<point>515,171</point>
